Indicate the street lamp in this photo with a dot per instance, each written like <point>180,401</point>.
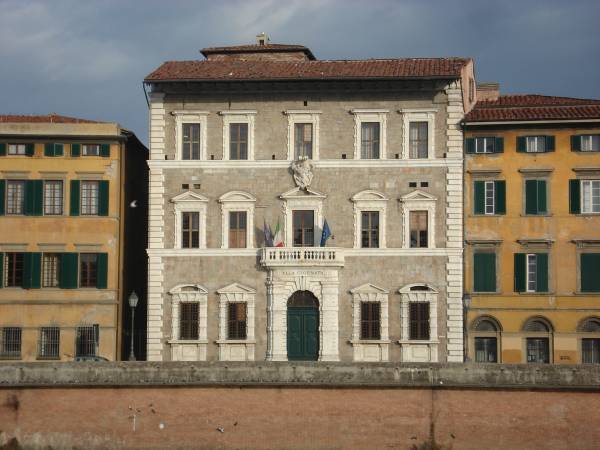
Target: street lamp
<point>133,301</point>
<point>466,306</point>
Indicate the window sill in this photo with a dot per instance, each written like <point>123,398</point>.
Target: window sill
<point>537,215</point>
<point>235,341</point>
<point>486,293</point>
<point>48,358</point>
<point>417,342</point>
<point>486,215</point>
<point>588,214</point>
<point>369,341</point>
<point>187,341</point>
<point>538,294</point>
<point>583,294</point>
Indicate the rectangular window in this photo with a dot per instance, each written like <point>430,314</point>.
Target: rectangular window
<point>89,198</point>
<point>538,350</point>
<point>369,229</point>
<point>485,144</point>
<point>49,343</point>
<point>88,270</point>
<point>237,229</point>
<point>17,149</point>
<point>590,200</point>
<point>370,139</point>
<point>13,269</point>
<point>188,323</point>
<point>238,141</point>
<point>536,197</point>
<point>484,272</point>
<point>236,321</point>
<point>191,141</point>
<point>86,340</point>
<point>486,349</point>
<point>190,229</point>
<point>490,197</point>
<point>535,144</point>
<point>590,143</point>
<point>590,351</point>
<point>90,149</point>
<point>370,320</point>
<point>303,135</point>
<point>418,321</point>
<point>531,273</point>
<point>418,137</point>
<point>15,197</point>
<point>589,266</point>
<point>53,198</point>
<point>50,270</point>
<point>10,346</point>
<point>418,229</point>
<point>304,228</point>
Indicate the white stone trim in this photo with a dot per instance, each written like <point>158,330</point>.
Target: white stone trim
<point>240,116</point>
<point>369,200</point>
<point>418,115</point>
<point>190,202</point>
<point>155,338</point>
<point>182,117</point>
<point>301,116</point>
<point>189,350</point>
<point>157,126</point>
<point>419,351</point>
<point>236,350</point>
<point>418,201</point>
<point>370,350</point>
<point>370,115</point>
<point>237,201</point>
<point>295,199</point>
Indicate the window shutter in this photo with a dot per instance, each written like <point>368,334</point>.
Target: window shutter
<point>590,281</point>
<point>549,143</point>
<point>74,197</point>
<point>48,149</point>
<point>59,149</point>
<point>105,150</point>
<point>1,270</point>
<point>2,149</point>
<point>531,197</point>
<point>542,272</point>
<point>484,272</point>
<point>500,196</point>
<point>68,270</point>
<point>470,145</point>
<point>103,198</point>
<point>499,145</point>
<point>38,197</point>
<point>574,197</point>
<point>102,270</point>
<point>32,270</point>
<point>576,143</point>
<point>75,149</point>
<point>542,206</point>
<point>479,197</point>
<point>2,194</point>
<point>29,149</point>
<point>29,198</point>
<point>521,144</point>
<point>519,272</point>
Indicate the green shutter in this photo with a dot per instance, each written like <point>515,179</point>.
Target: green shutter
<point>519,272</point>
<point>32,270</point>
<point>59,149</point>
<point>542,206</point>
<point>484,272</point>
<point>550,143</point>
<point>1,270</point>
<point>521,144</point>
<point>74,197</point>
<point>500,196</point>
<point>29,149</point>
<point>105,150</point>
<point>75,149</point>
<point>38,197</point>
<point>574,197</point>
<point>590,264</point>
<point>69,270</point>
<point>531,197</point>
<point>576,143</point>
<point>470,145</point>
<point>479,197</point>
<point>29,198</point>
<point>2,149</point>
<point>103,198</point>
<point>102,270</point>
<point>499,145</point>
<point>2,194</point>
<point>48,149</point>
<point>542,272</point>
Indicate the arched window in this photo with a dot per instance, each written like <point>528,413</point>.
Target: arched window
<point>486,337</point>
<point>590,344</point>
<point>538,340</point>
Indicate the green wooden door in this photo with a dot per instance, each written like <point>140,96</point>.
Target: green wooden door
<point>303,333</point>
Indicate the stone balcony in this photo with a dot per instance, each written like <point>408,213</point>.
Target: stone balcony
<point>302,257</point>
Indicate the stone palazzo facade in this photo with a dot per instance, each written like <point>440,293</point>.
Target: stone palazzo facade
<point>266,136</point>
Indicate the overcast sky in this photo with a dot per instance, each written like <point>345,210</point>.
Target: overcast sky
<point>88,58</point>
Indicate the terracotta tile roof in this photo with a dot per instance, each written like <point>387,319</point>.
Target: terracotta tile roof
<point>49,118</point>
<point>533,107</point>
<point>255,48</point>
<point>308,70</point>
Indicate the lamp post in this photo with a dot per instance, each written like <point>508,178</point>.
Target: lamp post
<point>133,301</point>
<point>466,306</point>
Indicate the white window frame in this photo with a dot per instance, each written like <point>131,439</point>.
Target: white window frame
<point>187,349</point>
<point>296,199</point>
<point>491,204</point>
<point>588,208</point>
<point>181,117</point>
<point>237,116</point>
<point>485,142</point>
<point>370,115</point>
<point>590,138</point>
<point>97,198</point>
<point>237,201</point>
<point>418,201</point>
<point>536,139</point>
<point>302,116</point>
<point>190,202</point>
<point>86,147</point>
<point>528,274</point>
<point>414,350</point>
<point>18,147</point>
<point>62,201</point>
<point>369,200</point>
<point>418,115</point>
<point>233,349</point>
<point>371,350</point>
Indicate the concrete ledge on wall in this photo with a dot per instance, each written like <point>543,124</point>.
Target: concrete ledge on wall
<point>301,375</point>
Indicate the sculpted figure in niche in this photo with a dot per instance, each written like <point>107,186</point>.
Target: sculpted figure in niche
<point>302,170</point>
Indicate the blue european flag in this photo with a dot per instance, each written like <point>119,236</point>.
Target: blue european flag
<point>326,233</point>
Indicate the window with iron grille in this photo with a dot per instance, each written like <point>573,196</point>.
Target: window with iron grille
<point>17,149</point>
<point>304,228</point>
<point>486,349</point>
<point>90,149</point>
<point>53,197</point>
<point>10,347</point>
<point>369,229</point>
<point>538,350</point>
<point>238,141</point>
<point>85,341</point>
<point>419,321</point>
<point>49,343</point>
<point>88,269</point>
<point>237,229</point>
<point>370,140</point>
<point>590,351</point>
<point>418,229</point>
<point>303,135</point>
<point>191,141</point>
<point>190,229</point>
<point>418,139</point>
<point>370,321</point>
<point>13,269</point>
<point>89,198</point>
<point>236,321</point>
<point>50,268</point>
<point>188,321</point>
<point>15,197</point>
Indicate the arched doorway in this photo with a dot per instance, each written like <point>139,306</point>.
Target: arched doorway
<point>303,327</point>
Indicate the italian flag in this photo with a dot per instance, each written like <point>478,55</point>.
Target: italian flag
<point>277,239</point>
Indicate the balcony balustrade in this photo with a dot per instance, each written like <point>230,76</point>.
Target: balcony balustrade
<point>302,256</point>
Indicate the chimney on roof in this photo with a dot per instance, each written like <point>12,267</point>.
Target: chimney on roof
<point>262,38</point>
<point>488,91</point>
